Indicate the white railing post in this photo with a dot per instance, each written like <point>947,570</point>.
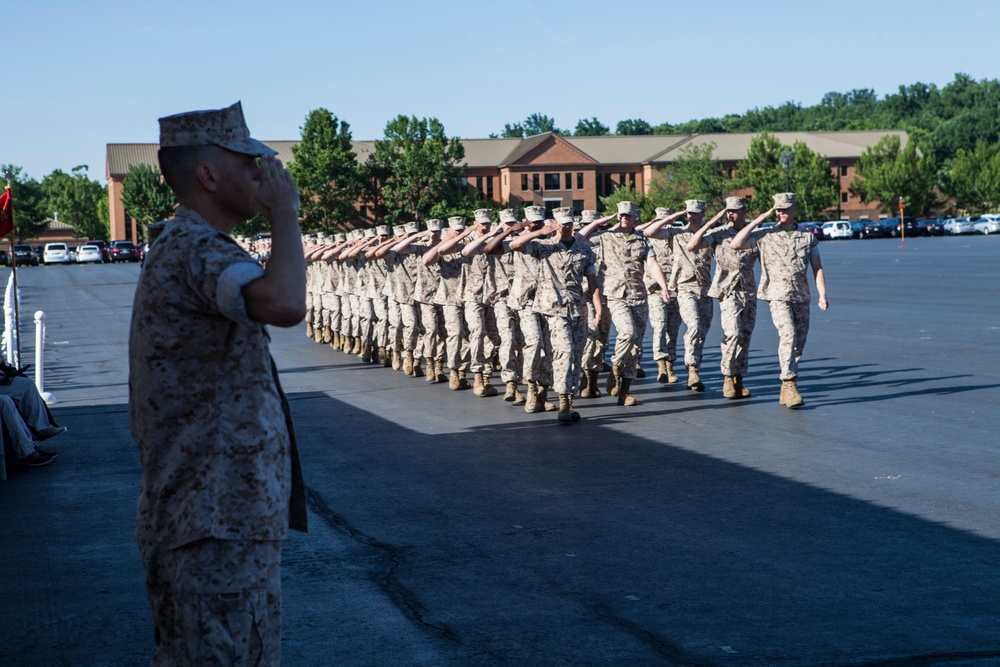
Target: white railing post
<point>40,358</point>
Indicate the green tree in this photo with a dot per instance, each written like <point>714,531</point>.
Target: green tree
<point>974,178</point>
<point>413,168</point>
<point>695,174</point>
<point>633,126</point>
<point>327,172</point>
<point>536,123</point>
<point>812,180</point>
<point>887,171</point>
<point>76,199</point>
<point>761,171</point>
<point>627,193</point>
<point>591,127</point>
<point>28,199</point>
<point>145,197</point>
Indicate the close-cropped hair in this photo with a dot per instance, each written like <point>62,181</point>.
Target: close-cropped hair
<point>177,164</point>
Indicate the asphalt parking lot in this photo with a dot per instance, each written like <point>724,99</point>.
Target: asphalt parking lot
<point>453,530</point>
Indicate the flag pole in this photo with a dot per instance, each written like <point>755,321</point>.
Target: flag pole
<point>13,269</point>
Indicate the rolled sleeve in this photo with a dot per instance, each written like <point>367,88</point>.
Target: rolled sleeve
<point>229,291</point>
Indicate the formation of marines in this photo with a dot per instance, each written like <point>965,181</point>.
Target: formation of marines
<point>533,300</point>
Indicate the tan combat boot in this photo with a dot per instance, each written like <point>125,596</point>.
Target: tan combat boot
<point>488,389</point>
<point>790,391</point>
<point>510,391</point>
<point>431,374</point>
<point>519,398</point>
<point>453,381</point>
<point>309,330</point>
<point>625,398</point>
<point>661,371</point>
<point>729,387</point>
<point>531,402</point>
<point>407,363</point>
<point>741,391</point>
<point>418,371</point>
<point>588,378</point>
<point>694,382</point>
<point>613,380</point>
<point>639,373</point>
<point>366,353</point>
<point>439,370</point>
<point>543,399</point>
<point>671,376</point>
<point>477,383</point>
<point>573,414</point>
<point>397,360</point>
<point>327,335</point>
<point>564,409</point>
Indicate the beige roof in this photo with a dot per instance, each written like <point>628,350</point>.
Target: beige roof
<point>607,150</point>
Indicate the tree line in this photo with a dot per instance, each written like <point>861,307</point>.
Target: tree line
<point>72,198</point>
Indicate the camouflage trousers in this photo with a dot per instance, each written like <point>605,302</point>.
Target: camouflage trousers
<point>314,307</point>
<point>630,327</point>
<point>354,323</point>
<point>380,329</point>
<point>597,337</point>
<point>511,342</point>
<point>409,325</point>
<point>696,313</point>
<point>215,602</point>
<point>569,337</point>
<point>483,336</point>
<point>536,365</point>
<point>366,318</point>
<point>665,321</point>
<point>394,330</point>
<point>331,311</point>
<point>457,341</point>
<point>792,322</point>
<point>431,342</point>
<point>738,315</point>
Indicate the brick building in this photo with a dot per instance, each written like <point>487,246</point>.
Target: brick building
<point>550,170</point>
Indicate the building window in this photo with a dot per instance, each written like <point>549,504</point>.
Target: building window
<point>631,180</point>
<point>621,179</point>
<point>489,187</point>
<point>577,206</point>
<point>551,204</point>
<point>534,182</point>
<point>551,181</point>
<point>569,182</point>
<point>609,185</point>
<point>843,197</point>
<point>843,171</point>
<point>579,180</point>
<point>524,181</point>
<point>479,183</point>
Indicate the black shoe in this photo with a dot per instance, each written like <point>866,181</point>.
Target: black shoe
<point>35,459</point>
<point>45,452</point>
<point>50,432</point>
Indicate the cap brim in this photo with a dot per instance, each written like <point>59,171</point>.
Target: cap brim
<point>249,146</point>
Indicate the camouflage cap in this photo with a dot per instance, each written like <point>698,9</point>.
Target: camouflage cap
<point>328,241</point>
<point>784,200</point>
<point>340,237</point>
<point>399,230</point>
<point>369,233</point>
<point>217,127</point>
<point>662,211</point>
<point>484,216</point>
<point>735,203</point>
<point>321,235</point>
<point>627,208</point>
<point>456,222</point>
<point>434,224</point>
<point>507,216</point>
<point>588,216</point>
<point>412,227</point>
<point>563,215</point>
<point>357,234</point>
<point>694,205</point>
<point>534,213</point>
<point>382,230</point>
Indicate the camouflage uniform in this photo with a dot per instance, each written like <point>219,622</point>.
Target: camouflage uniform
<point>560,297</point>
<point>537,352</point>
<point>221,479</point>
<point>735,287</point>
<point>477,294</point>
<point>624,258</point>
<point>431,341</point>
<point>449,297</point>
<point>664,317</point>
<point>378,286</point>
<point>331,298</point>
<point>689,282</point>
<point>785,260</point>
<point>509,350</point>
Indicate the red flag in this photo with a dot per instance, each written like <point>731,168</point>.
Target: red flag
<point>6,213</point>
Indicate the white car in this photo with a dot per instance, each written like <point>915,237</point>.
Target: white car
<point>56,253</point>
<point>838,229</point>
<point>959,226</point>
<point>988,224</point>
<point>89,253</point>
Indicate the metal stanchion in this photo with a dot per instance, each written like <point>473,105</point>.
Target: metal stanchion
<point>40,357</point>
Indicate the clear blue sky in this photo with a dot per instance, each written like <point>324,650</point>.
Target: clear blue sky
<point>80,75</point>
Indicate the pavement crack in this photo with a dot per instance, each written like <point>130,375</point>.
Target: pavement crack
<point>402,597</point>
<point>669,651</point>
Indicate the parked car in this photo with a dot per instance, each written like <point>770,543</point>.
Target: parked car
<point>103,247</point>
<point>909,224</point>
<point>988,224</point>
<point>813,228</point>
<point>838,229</point>
<point>25,255</point>
<point>959,226</point>
<point>872,229</point>
<point>89,253</point>
<point>56,253</point>
<point>71,253</point>
<point>123,251</point>
<point>932,226</point>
